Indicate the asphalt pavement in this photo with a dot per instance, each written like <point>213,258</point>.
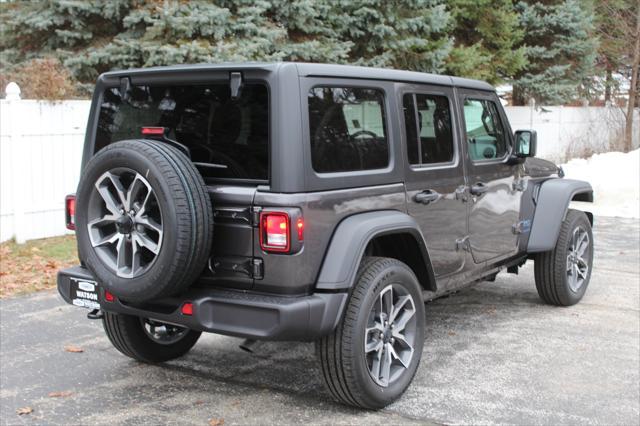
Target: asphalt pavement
<point>494,354</point>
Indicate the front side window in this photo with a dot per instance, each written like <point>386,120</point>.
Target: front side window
<point>428,129</point>
<point>226,138</point>
<point>347,129</point>
<point>486,136</point>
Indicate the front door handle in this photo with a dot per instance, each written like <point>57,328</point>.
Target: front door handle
<point>427,196</point>
<point>479,188</point>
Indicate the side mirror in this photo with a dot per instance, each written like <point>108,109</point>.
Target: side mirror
<point>526,143</point>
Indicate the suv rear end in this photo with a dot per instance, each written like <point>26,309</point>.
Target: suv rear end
<point>259,226</point>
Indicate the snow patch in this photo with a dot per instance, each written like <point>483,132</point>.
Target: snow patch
<point>615,178</point>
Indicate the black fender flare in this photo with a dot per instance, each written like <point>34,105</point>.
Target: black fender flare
<point>347,246</point>
<point>552,203</point>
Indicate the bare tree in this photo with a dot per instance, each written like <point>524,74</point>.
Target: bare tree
<point>633,88</point>
<point>618,24</point>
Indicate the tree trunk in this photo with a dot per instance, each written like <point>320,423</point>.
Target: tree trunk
<point>633,89</point>
<point>608,82</point>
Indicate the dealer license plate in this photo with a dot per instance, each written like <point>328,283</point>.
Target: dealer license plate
<point>84,293</point>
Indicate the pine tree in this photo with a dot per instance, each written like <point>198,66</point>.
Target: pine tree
<point>91,37</point>
<point>561,50</point>
<point>486,33</point>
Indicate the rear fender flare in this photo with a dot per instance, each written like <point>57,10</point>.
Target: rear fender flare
<point>353,234</point>
<point>552,204</point>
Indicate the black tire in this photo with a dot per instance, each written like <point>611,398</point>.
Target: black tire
<point>551,268</point>
<point>187,219</point>
<point>127,335</point>
<point>344,365</point>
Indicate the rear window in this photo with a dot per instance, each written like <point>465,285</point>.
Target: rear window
<point>347,129</point>
<point>227,138</point>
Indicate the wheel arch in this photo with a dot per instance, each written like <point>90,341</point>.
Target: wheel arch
<point>382,233</point>
<point>552,204</point>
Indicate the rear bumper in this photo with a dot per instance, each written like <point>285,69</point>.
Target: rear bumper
<point>240,314</point>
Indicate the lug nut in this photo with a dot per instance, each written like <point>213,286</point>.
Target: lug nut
<point>132,212</point>
<point>392,325</point>
<point>121,211</point>
<point>392,340</point>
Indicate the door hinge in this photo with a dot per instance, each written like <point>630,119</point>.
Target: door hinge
<point>521,227</point>
<point>251,267</point>
<point>255,215</point>
<point>463,244</point>
<point>519,185</point>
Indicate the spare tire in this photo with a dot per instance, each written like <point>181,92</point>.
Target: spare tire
<point>144,220</point>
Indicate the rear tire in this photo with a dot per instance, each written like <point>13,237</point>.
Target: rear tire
<point>353,357</point>
<point>562,274</point>
<point>127,334</point>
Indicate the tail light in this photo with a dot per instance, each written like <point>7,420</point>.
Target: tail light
<point>109,297</point>
<point>70,211</point>
<point>275,235</point>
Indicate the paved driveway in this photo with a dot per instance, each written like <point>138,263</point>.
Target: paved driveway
<point>493,354</point>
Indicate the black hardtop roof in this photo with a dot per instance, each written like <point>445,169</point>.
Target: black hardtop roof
<point>318,70</point>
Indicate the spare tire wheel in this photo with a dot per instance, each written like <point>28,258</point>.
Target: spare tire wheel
<point>144,220</point>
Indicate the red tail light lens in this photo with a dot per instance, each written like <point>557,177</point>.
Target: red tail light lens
<point>108,296</point>
<point>275,234</point>
<point>70,211</point>
<point>187,308</point>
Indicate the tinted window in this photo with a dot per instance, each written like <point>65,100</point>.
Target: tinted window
<point>486,137</point>
<point>231,133</point>
<point>428,129</point>
<point>347,129</point>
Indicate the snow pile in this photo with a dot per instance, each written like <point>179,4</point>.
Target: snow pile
<point>615,178</point>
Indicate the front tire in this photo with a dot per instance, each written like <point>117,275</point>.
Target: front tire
<point>146,340</point>
<point>562,274</point>
<point>374,353</point>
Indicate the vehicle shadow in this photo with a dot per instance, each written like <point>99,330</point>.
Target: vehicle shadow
<point>291,367</point>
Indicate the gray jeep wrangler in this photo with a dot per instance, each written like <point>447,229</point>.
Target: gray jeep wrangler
<point>309,202</point>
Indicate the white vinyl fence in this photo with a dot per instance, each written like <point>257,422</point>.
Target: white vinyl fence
<point>41,148</point>
<point>40,154</point>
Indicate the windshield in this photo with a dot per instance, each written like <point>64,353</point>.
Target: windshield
<point>226,138</point>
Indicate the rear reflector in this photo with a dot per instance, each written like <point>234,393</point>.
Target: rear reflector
<point>274,232</point>
<point>155,131</point>
<point>187,308</point>
<point>108,296</point>
<point>300,228</point>
<point>70,211</point>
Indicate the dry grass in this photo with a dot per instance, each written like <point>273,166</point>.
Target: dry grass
<point>29,267</point>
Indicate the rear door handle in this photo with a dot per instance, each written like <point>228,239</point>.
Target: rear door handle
<point>479,188</point>
<point>427,196</point>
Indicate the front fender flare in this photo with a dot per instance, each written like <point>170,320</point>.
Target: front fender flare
<point>552,204</point>
<point>350,239</point>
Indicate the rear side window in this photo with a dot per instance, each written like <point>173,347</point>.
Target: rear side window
<point>486,137</point>
<point>428,128</point>
<point>347,129</point>
<point>227,138</point>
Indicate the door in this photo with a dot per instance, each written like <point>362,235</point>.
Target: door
<point>435,180</point>
<point>494,196</point>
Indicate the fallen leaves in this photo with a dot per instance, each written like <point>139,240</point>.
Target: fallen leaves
<point>216,422</point>
<point>33,266</point>
<point>73,349</point>
<point>61,394</point>
<point>24,410</point>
